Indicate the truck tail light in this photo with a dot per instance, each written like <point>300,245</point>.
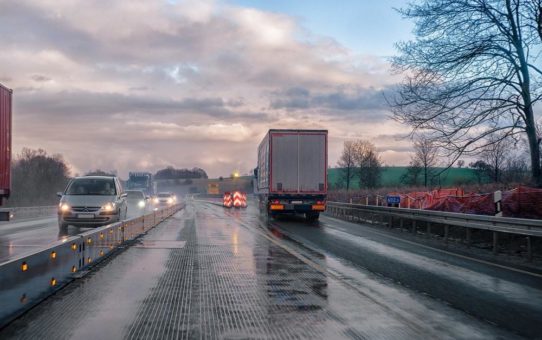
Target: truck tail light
<point>276,207</point>
<point>319,207</point>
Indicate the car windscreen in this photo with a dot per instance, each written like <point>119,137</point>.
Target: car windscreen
<point>135,195</point>
<point>92,186</point>
<point>164,195</point>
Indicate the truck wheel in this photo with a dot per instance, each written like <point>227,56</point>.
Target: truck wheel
<point>312,216</point>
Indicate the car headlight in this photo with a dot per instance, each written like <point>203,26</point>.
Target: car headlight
<point>141,204</point>
<point>108,206</point>
<point>64,207</point>
<point>170,200</point>
<point>156,200</point>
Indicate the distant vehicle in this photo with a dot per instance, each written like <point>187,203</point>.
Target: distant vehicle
<point>292,172</point>
<point>5,147</point>
<point>165,198</point>
<point>136,198</point>
<point>140,181</point>
<point>92,201</point>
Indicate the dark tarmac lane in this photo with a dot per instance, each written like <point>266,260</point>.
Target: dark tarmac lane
<point>21,237</point>
<point>210,272</point>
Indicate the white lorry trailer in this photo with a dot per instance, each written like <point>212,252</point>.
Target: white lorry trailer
<point>291,177</point>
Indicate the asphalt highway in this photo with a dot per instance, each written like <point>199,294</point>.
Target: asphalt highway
<point>211,272</point>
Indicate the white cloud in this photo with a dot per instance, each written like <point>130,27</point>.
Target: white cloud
<point>184,83</point>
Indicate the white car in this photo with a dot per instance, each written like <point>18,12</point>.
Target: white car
<point>91,201</point>
<point>136,198</point>
<point>165,198</point>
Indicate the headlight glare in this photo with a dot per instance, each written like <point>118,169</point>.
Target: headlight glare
<point>64,207</point>
<point>108,206</point>
<point>141,204</point>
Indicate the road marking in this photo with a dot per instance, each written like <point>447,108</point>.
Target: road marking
<point>435,249</point>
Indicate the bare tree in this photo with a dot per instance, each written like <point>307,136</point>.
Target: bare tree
<point>412,174</point>
<point>473,71</point>
<point>537,8</point>
<point>347,163</point>
<point>426,157</point>
<point>496,155</point>
<point>460,163</point>
<point>368,164</point>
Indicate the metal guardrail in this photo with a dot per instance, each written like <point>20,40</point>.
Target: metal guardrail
<point>18,213</point>
<point>388,216</point>
<point>28,279</point>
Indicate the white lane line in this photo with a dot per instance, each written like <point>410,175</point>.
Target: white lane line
<point>434,249</point>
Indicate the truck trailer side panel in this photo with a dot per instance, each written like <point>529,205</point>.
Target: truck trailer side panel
<point>5,141</point>
<point>263,166</point>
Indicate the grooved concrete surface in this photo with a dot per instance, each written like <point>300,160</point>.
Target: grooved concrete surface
<point>230,277</point>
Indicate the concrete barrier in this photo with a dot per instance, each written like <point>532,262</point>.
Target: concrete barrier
<point>27,280</point>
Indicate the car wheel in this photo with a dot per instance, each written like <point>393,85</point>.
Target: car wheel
<point>63,227</point>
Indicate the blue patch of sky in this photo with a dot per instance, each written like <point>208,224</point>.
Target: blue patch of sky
<point>365,26</point>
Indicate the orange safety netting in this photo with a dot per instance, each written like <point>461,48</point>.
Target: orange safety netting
<point>522,202</point>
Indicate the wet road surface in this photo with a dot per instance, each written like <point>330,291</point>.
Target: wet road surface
<point>20,237</point>
<point>209,272</point>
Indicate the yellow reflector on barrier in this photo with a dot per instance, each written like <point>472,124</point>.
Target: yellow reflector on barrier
<point>23,299</point>
<point>24,266</point>
<point>53,282</point>
<point>74,246</point>
<point>101,253</point>
<point>111,231</point>
<point>89,240</point>
<point>102,236</point>
<point>74,269</point>
<point>89,260</point>
<point>277,207</point>
<point>53,255</point>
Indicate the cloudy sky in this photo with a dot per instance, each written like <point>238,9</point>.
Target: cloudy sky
<point>139,85</point>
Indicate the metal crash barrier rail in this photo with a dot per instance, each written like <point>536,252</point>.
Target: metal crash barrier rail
<point>27,280</point>
<point>398,216</point>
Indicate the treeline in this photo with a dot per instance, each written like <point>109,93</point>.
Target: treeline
<point>505,160</point>
<point>172,173</point>
<point>36,177</point>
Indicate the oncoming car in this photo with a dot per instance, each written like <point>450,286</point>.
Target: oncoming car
<point>165,198</point>
<point>91,201</point>
<point>136,198</point>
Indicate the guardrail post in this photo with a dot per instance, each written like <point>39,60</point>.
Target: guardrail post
<point>428,231</point>
<point>529,249</point>
<point>495,242</point>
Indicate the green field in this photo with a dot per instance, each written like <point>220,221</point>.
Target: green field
<point>391,177</point>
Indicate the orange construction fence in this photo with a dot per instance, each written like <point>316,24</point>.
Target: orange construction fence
<point>521,202</point>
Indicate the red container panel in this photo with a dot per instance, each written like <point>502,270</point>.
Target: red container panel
<point>5,140</point>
